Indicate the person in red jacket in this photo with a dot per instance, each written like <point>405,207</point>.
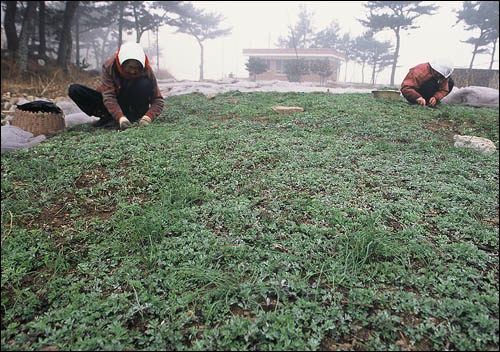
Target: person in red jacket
<point>128,91</point>
<point>428,83</point>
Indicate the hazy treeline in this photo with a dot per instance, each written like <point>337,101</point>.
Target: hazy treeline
<point>397,17</point>
<point>86,33</point>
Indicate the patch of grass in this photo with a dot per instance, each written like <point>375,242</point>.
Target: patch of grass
<point>352,225</point>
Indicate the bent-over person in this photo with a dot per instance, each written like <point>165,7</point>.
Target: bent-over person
<point>128,91</point>
<point>428,83</point>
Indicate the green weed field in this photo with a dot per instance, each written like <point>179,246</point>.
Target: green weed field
<point>354,225</point>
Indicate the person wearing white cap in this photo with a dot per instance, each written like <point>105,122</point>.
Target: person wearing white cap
<point>428,83</point>
<point>128,91</point>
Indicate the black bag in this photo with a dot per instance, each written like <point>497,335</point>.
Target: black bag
<point>40,106</point>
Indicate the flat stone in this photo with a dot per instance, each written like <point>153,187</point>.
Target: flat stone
<point>287,109</point>
<point>478,144</point>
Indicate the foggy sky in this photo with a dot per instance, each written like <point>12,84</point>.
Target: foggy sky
<point>259,24</point>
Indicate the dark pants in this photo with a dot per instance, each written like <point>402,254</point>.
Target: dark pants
<point>133,100</point>
<point>429,88</point>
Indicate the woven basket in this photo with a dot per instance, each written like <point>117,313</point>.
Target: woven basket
<point>39,123</point>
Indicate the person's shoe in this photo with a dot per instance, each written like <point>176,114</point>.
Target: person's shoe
<point>99,123</point>
<point>103,123</point>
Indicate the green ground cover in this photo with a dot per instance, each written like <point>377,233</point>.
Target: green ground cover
<point>353,225</point>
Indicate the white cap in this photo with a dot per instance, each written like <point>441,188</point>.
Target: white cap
<point>443,66</point>
<point>131,51</point>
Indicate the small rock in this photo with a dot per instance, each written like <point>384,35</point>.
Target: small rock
<point>478,144</point>
<point>59,99</point>
<point>287,109</point>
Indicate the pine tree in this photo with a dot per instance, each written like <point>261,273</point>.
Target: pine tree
<point>397,16</point>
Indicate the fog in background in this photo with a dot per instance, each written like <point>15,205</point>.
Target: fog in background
<point>259,24</point>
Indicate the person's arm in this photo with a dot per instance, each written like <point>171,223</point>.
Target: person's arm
<point>443,89</point>
<point>409,86</point>
<point>157,101</point>
<point>108,91</point>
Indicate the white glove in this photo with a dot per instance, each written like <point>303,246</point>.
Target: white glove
<point>145,120</point>
<point>124,123</point>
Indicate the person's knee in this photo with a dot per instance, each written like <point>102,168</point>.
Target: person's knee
<point>73,91</point>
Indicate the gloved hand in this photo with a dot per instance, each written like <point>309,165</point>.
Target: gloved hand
<point>145,120</point>
<point>421,101</point>
<point>124,123</point>
<point>432,101</point>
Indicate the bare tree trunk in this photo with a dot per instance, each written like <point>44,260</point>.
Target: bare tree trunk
<point>396,55</point>
<point>374,67</point>
<point>139,36</point>
<point>363,72</point>
<point>201,59</point>
<point>10,26</point>
<point>77,42</point>
<point>120,24</point>
<point>474,53</point>
<point>102,50</point>
<point>157,49</point>
<point>64,52</point>
<point>468,77</point>
<point>96,54</point>
<point>373,72</point>
<point>87,55</point>
<point>138,32</point>
<point>26,32</point>
<point>473,57</point>
<point>42,49</point>
<point>493,53</point>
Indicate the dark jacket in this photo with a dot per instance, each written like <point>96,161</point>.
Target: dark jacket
<point>114,79</point>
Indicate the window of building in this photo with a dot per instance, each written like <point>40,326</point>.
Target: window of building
<point>280,66</point>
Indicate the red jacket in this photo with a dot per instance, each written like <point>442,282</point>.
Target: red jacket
<point>110,87</point>
<point>417,76</point>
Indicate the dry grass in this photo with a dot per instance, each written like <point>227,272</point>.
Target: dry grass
<point>48,81</point>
